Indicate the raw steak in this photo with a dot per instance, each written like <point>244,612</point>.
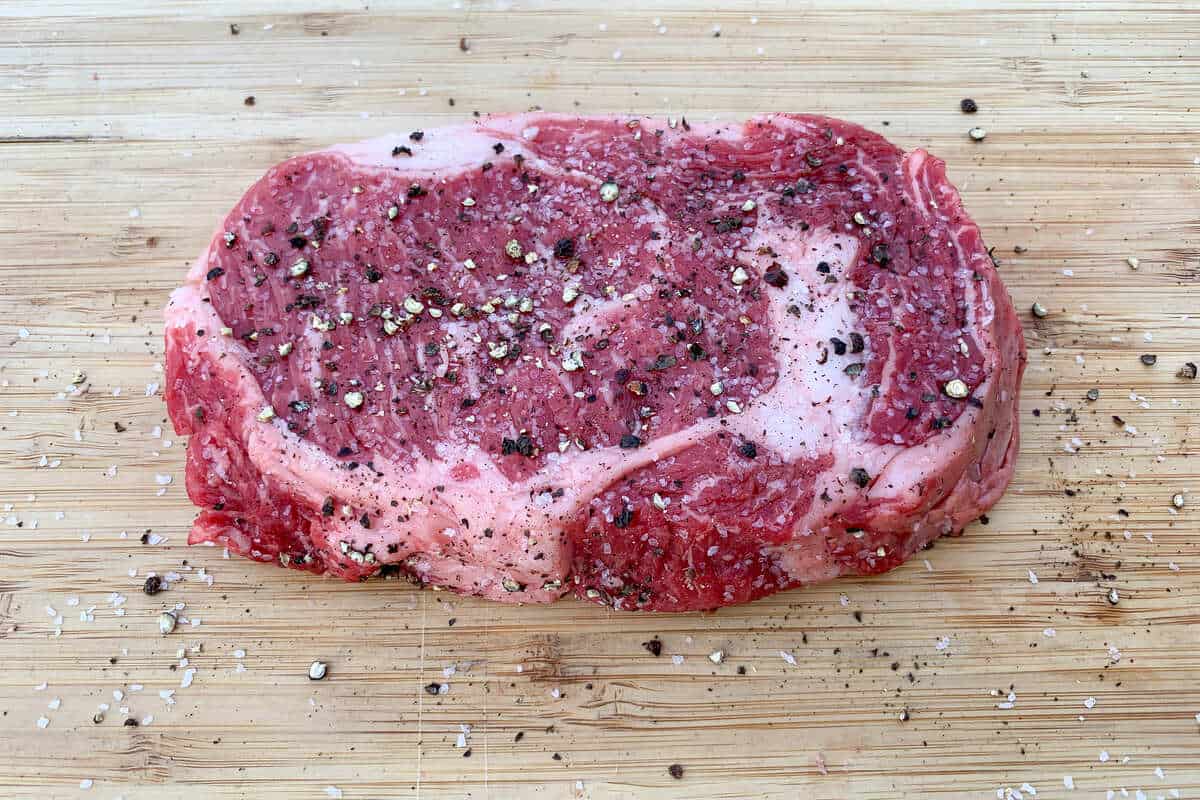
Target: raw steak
<point>659,367</point>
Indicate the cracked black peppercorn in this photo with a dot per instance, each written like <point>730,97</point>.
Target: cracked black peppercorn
<point>564,248</point>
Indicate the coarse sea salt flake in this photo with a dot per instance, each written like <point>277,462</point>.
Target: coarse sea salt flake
<point>788,657</point>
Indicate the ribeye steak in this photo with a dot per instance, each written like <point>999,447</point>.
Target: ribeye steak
<point>658,366</point>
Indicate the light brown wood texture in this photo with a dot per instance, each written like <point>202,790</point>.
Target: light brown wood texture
<point>125,138</point>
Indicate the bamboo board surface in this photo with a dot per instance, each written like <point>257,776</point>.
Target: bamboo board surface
<point>125,137</point>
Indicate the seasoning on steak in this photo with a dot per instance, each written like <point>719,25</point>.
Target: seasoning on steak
<point>655,367</point>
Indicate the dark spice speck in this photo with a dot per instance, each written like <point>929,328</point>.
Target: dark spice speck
<point>663,361</point>
<point>624,518</point>
<point>775,276</point>
<point>522,445</point>
<point>880,255</point>
<point>564,248</point>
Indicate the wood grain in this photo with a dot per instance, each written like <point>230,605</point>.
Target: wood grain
<point>125,137</point>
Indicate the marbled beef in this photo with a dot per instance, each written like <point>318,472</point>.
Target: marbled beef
<point>657,366</point>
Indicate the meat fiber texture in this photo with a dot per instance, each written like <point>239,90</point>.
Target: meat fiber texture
<point>657,366</point>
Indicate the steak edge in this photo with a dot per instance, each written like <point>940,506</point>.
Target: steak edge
<point>659,367</point>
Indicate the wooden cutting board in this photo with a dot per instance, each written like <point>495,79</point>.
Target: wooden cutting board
<point>995,661</point>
